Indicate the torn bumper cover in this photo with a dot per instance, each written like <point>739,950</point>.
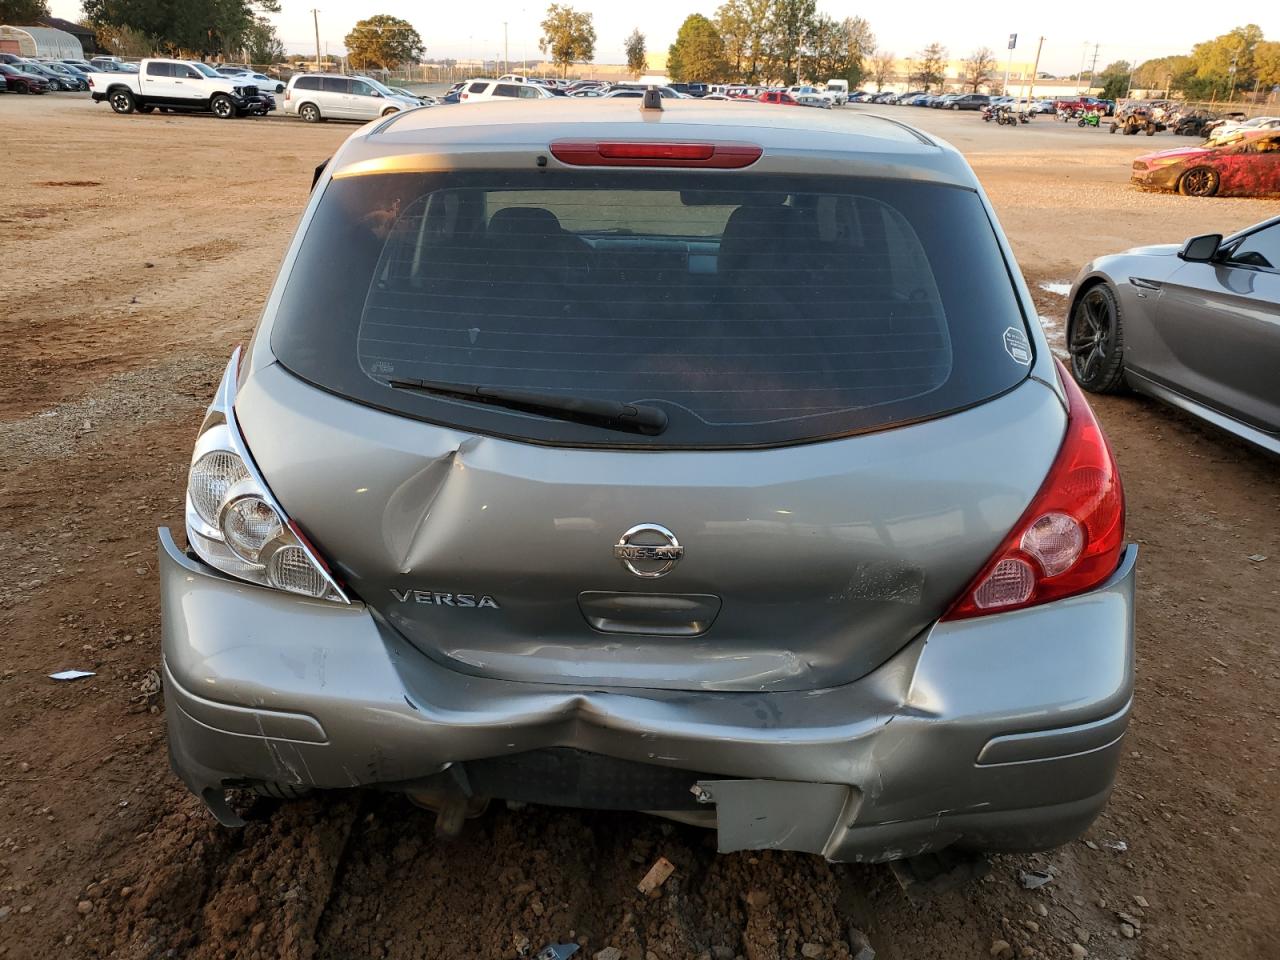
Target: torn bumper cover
<point>1001,732</point>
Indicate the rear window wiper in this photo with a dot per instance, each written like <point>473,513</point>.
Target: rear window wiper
<point>638,418</point>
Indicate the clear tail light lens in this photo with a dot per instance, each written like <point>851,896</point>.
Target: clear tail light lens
<point>1070,538</point>
<point>233,522</point>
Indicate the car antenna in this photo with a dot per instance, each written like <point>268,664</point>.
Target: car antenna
<point>652,99</point>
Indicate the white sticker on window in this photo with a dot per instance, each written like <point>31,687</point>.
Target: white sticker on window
<point>1016,345</point>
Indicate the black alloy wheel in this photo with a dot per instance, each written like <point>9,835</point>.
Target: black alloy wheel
<point>1096,342</point>
<point>1199,182</point>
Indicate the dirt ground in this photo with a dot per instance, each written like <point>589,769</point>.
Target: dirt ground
<point>136,251</point>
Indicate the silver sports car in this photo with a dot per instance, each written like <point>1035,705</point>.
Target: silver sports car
<point>1197,326</point>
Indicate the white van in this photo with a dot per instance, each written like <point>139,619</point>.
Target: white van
<point>331,96</point>
<point>838,92</point>
<point>475,91</point>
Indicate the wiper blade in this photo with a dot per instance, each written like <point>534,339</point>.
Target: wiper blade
<point>638,418</point>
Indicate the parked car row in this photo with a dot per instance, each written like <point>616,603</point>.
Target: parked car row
<point>44,74</point>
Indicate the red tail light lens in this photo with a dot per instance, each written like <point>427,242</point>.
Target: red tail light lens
<point>1070,539</point>
<point>715,156</point>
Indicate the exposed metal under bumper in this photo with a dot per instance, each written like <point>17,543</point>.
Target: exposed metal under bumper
<point>999,733</point>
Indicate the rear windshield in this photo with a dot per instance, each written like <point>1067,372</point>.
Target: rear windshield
<point>783,310</point>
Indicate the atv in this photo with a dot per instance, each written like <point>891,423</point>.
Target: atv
<point>1134,120</point>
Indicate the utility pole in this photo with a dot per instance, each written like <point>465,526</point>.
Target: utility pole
<point>506,50</point>
<point>1093,68</point>
<point>1035,70</point>
<point>1084,53</point>
<point>1008,65</point>
<point>315,17</point>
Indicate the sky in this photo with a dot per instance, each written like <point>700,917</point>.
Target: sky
<point>1124,31</point>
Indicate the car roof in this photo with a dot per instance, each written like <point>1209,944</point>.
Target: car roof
<point>510,134</point>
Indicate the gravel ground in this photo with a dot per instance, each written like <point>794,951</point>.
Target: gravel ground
<point>138,250</point>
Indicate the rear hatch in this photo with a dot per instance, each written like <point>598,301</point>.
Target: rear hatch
<point>839,365</point>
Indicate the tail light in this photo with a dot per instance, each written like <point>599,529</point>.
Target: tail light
<point>721,156</point>
<point>234,524</point>
<point>1070,539</point>
<point>288,94</point>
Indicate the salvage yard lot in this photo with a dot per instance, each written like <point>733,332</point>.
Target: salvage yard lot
<point>136,251</point>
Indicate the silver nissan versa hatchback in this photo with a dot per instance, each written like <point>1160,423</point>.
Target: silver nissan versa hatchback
<point>705,460</point>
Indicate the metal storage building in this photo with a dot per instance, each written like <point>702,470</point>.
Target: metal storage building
<point>40,42</point>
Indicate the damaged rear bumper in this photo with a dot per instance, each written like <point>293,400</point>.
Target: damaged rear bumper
<point>1001,733</point>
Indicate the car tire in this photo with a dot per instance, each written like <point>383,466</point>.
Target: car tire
<point>222,107</point>
<point>1199,182</point>
<point>146,108</point>
<point>122,101</point>
<point>1114,128</point>
<point>21,87</point>
<point>389,111</point>
<point>1151,129</point>
<point>310,113</point>
<point>1095,340</point>
<point>954,107</point>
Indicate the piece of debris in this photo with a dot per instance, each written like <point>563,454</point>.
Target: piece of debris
<point>1219,662</point>
<point>1034,879</point>
<point>150,684</point>
<point>811,951</point>
<point>1041,910</point>
<point>1118,846</point>
<point>556,951</point>
<point>70,674</point>
<point>1141,901</point>
<point>1127,931</point>
<point>1001,950</point>
<point>860,945</point>
<point>1258,557</point>
<point>657,875</point>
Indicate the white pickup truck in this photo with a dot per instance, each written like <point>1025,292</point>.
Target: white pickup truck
<point>186,85</point>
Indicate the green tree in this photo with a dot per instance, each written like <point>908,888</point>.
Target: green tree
<point>637,61</point>
<point>1114,80</point>
<point>383,42</point>
<point>22,13</point>
<point>745,28</point>
<point>698,53</point>
<point>791,23</point>
<point>204,27</point>
<point>978,69</point>
<point>568,36</point>
<point>837,49</point>
<point>882,67</point>
<point>930,65</point>
<point>1227,60</point>
<point>1266,63</point>
<point>262,44</point>
<point>859,42</point>
<point>125,41</point>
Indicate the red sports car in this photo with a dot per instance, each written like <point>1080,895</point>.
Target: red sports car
<point>779,97</point>
<point>1245,165</point>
